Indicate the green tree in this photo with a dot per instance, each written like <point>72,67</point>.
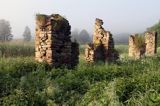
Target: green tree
<point>84,37</point>
<point>156,28</point>
<point>5,31</point>
<point>27,34</point>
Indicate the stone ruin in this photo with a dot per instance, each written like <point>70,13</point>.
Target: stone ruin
<point>151,43</point>
<point>53,42</point>
<point>102,48</point>
<point>136,46</point>
<point>146,46</point>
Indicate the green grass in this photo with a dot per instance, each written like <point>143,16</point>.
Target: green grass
<point>123,51</point>
<point>24,82</point>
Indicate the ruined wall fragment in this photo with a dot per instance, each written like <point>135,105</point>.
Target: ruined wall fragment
<point>52,41</point>
<point>131,46</point>
<point>143,47</point>
<point>135,51</point>
<point>103,44</point>
<point>151,43</point>
<point>137,46</point>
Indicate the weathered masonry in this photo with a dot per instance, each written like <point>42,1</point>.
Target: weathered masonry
<point>52,42</point>
<point>151,43</point>
<point>102,48</point>
<point>136,46</point>
<point>140,46</point>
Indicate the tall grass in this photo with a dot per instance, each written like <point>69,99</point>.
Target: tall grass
<point>24,82</point>
<point>125,83</point>
<point>16,49</point>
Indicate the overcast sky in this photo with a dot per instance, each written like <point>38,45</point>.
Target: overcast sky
<point>120,16</point>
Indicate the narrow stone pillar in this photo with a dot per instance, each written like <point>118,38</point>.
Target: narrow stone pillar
<point>151,43</point>
<point>103,45</point>
<point>131,47</point>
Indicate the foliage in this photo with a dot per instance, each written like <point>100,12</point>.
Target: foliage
<point>102,93</point>
<point>25,82</point>
<point>156,28</point>
<point>139,41</point>
<point>5,31</point>
<point>84,37</point>
<point>81,37</point>
<point>27,34</point>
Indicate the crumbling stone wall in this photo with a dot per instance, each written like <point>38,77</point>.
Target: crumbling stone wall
<point>135,51</point>
<point>139,49</point>
<point>102,48</point>
<point>52,42</point>
<point>151,43</point>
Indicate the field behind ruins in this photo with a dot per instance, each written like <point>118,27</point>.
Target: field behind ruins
<point>25,82</point>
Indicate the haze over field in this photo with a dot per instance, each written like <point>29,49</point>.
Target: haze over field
<point>120,16</point>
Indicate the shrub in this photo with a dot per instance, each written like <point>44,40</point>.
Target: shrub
<point>139,41</point>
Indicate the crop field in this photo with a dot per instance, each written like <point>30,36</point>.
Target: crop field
<point>127,82</point>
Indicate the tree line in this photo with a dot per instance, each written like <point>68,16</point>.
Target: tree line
<point>82,37</point>
<point>6,32</point>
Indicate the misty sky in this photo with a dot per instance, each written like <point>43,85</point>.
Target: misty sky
<point>120,16</point>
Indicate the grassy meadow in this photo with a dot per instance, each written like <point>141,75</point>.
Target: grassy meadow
<point>24,82</point>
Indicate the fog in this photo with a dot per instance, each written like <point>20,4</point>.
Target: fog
<point>119,16</point>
